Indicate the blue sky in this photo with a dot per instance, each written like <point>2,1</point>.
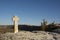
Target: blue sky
<point>30,12</point>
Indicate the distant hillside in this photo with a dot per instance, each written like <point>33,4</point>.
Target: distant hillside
<point>31,28</point>
<point>22,27</point>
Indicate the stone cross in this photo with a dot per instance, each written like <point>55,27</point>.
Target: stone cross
<point>15,19</point>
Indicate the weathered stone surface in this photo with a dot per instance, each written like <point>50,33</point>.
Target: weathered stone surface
<point>26,35</point>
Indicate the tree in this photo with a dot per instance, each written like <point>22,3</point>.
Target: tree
<point>44,25</point>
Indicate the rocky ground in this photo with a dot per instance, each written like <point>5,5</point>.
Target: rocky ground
<point>26,35</point>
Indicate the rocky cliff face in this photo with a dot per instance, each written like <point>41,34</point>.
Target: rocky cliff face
<point>26,35</point>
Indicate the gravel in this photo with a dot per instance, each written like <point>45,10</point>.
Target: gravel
<point>26,35</point>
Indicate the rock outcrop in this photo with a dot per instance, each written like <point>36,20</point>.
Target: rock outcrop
<point>26,35</point>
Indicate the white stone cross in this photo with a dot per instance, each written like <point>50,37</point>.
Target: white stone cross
<point>15,19</point>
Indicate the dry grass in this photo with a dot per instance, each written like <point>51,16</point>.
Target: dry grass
<point>4,30</point>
